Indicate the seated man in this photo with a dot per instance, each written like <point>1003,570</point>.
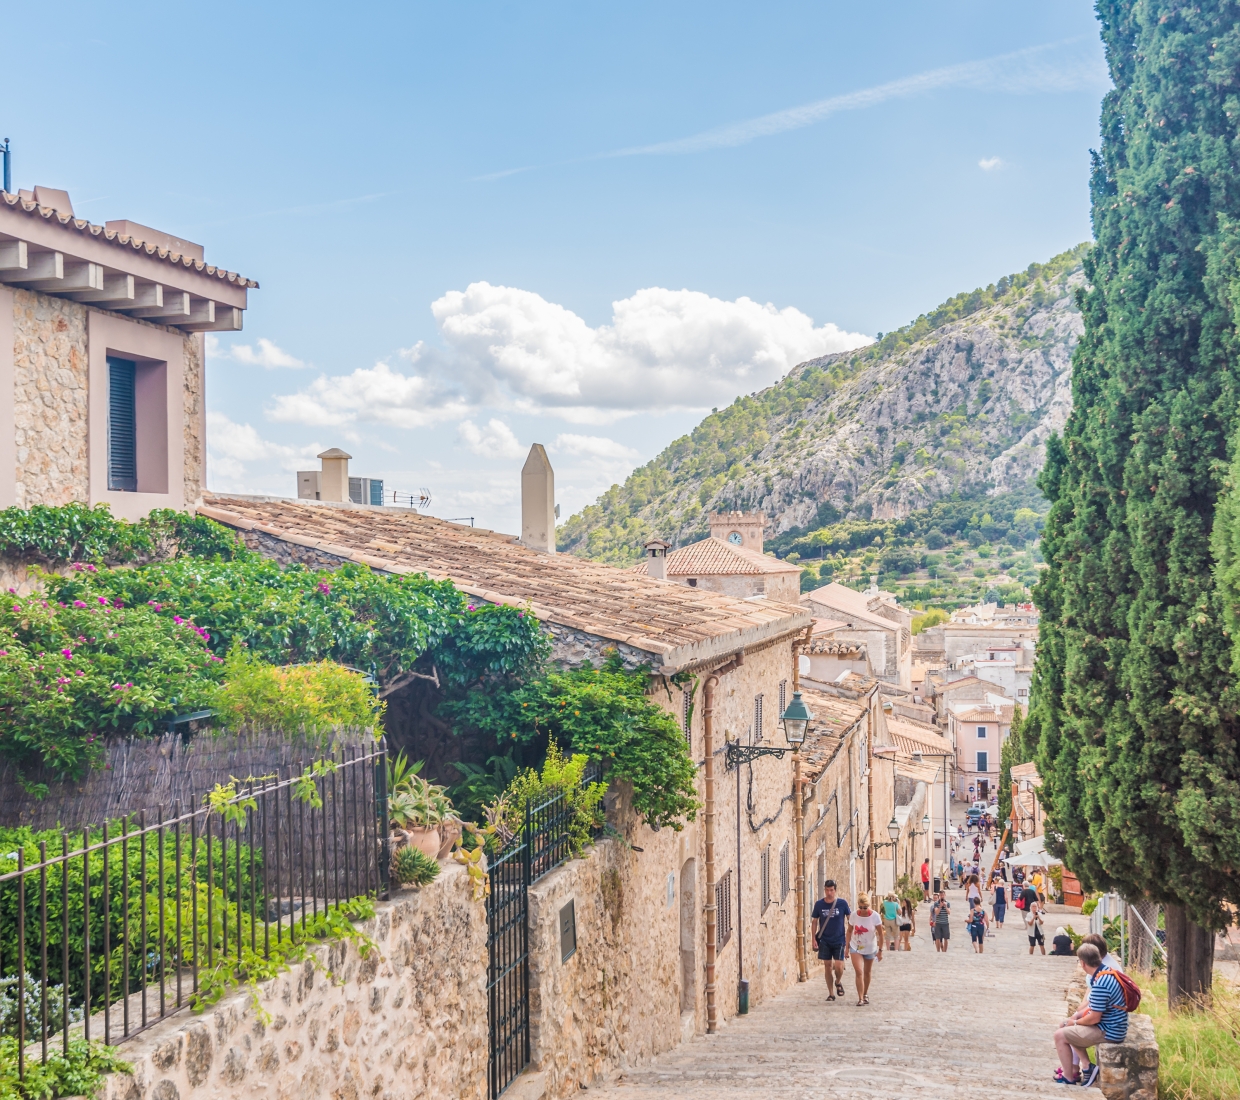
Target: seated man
<point>1102,1018</point>
<point>1062,943</point>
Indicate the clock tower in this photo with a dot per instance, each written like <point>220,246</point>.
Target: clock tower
<point>743,529</point>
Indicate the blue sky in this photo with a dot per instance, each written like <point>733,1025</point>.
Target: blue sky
<point>479,226</point>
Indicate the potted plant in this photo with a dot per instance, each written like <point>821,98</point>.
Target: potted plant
<point>417,809</point>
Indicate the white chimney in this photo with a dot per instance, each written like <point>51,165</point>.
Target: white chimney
<point>538,501</point>
<point>656,558</point>
<point>334,479</point>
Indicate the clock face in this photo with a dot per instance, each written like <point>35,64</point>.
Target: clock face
<point>736,538</point>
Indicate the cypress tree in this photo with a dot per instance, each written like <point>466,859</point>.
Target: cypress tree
<point>1135,700</point>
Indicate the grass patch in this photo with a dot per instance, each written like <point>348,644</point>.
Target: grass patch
<point>1198,1049</point>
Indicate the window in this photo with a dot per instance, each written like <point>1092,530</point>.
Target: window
<point>122,426</point>
<point>757,718</point>
<point>983,762</point>
<point>783,696</point>
<point>981,733</point>
<point>686,716</point>
<point>766,877</point>
<point>723,910</point>
<point>784,872</point>
<point>693,582</point>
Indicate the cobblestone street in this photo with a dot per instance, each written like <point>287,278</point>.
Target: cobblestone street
<point>957,1025</point>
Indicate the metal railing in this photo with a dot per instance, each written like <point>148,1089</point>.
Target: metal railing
<point>139,918</point>
<point>544,842</point>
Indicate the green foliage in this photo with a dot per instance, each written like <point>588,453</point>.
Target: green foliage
<point>75,669</point>
<point>415,802</point>
<point>1016,749</point>
<point>603,713</point>
<point>1135,699</point>
<point>293,615</point>
<point>560,775</point>
<point>413,867</point>
<point>480,786</point>
<point>160,883</point>
<point>932,617</point>
<point>315,697</point>
<point>79,1072</point>
<point>1198,1047</point>
<point>76,533</point>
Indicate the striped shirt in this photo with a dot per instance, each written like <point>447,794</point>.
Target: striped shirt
<point>1106,997</point>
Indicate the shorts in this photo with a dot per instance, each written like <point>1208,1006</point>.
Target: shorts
<point>830,952</point>
<point>1082,1036</point>
<point>863,955</point>
<point>977,932</point>
<point>943,933</point>
<point>1036,937</point>
<point>889,927</point>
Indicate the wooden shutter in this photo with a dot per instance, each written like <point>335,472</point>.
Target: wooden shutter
<point>122,427</point>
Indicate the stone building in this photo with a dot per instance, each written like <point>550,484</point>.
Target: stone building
<point>730,561</point>
<point>873,619</point>
<point>735,667</point>
<point>102,358</point>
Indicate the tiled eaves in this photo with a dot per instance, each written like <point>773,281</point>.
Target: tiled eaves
<point>678,626</point>
<point>124,240</point>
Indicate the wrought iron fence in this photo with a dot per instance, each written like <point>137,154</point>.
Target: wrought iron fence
<point>133,920</point>
<point>546,840</point>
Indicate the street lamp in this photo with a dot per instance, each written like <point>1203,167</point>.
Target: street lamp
<point>893,831</point>
<point>794,720</point>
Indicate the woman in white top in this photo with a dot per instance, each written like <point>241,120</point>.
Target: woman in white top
<point>974,891</point>
<point>864,945</point>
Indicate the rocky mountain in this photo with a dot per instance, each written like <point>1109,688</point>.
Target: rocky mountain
<point>957,404</point>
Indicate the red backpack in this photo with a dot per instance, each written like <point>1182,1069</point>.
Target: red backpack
<point>1130,989</point>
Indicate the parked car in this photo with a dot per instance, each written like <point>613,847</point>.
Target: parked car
<point>973,814</point>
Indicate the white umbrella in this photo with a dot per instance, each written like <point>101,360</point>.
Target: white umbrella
<point>1032,859</point>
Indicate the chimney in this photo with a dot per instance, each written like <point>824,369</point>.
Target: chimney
<point>334,480</point>
<point>538,501</point>
<point>656,558</point>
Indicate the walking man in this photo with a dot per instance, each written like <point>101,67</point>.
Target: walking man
<point>830,938</point>
<point>925,878</point>
<point>940,916</point>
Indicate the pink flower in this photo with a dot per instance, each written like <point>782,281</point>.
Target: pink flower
<point>471,607</point>
<point>76,603</point>
<point>324,587</point>
<point>152,603</point>
<point>68,653</point>
<point>103,600</point>
<point>4,652</point>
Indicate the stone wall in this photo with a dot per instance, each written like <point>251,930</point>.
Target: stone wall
<point>51,401</point>
<point>410,1020</point>
<point>615,1000</point>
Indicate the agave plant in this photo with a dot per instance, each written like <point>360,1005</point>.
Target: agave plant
<point>418,803</point>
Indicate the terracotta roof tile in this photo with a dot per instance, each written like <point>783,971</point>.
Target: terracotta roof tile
<point>123,240</point>
<point>712,557</point>
<point>678,624</point>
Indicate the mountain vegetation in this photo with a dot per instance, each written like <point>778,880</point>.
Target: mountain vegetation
<point>955,406</point>
<point>1134,702</point>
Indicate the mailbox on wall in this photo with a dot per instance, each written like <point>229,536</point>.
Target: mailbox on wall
<point>568,931</point>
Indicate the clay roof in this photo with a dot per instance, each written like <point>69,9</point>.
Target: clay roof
<point>854,605</point>
<point>715,557</point>
<point>964,681</point>
<point>682,626</point>
<point>910,737</point>
<point>122,240</point>
<point>833,717</point>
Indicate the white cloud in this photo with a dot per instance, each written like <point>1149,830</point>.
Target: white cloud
<point>377,394</point>
<point>507,348</point>
<point>496,440</point>
<point>593,446</point>
<point>232,446</point>
<point>267,354</point>
<point>989,164</point>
